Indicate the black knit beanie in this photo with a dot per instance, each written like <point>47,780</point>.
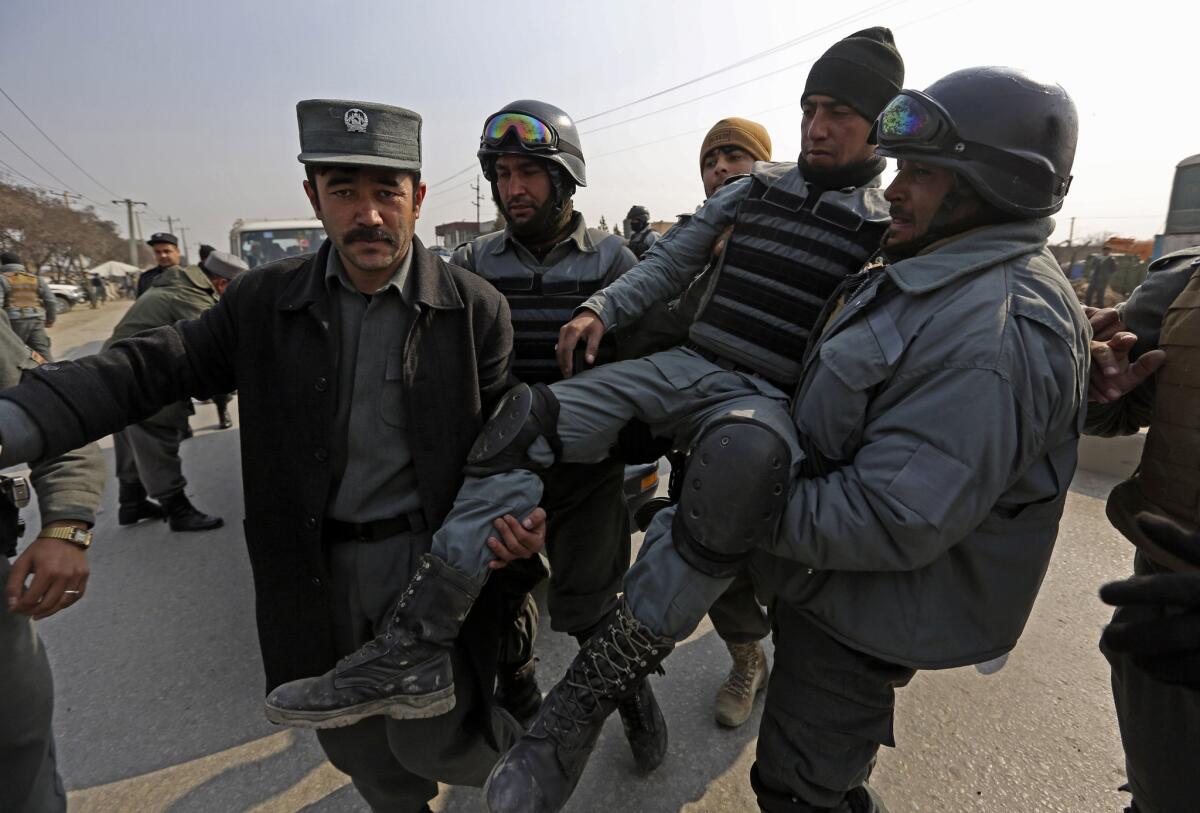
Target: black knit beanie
<point>864,70</point>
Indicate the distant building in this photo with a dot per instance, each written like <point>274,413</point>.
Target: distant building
<point>460,231</point>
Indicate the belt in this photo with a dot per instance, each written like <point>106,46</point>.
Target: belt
<point>335,530</point>
<point>726,363</point>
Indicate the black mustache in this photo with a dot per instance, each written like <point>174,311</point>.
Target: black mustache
<point>365,235</point>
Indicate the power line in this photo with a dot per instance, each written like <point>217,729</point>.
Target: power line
<point>16,171</point>
<point>753,57</point>
<point>702,96</point>
<point>689,132</point>
<point>39,166</point>
<point>462,171</point>
<point>756,78</point>
<point>55,145</point>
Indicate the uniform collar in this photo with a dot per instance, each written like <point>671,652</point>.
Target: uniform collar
<point>578,235</point>
<point>335,274</point>
<point>951,259</point>
<point>431,281</point>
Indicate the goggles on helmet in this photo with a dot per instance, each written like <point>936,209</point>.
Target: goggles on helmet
<point>529,132</point>
<point>915,123</point>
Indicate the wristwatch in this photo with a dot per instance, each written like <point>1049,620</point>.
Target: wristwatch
<point>76,536</point>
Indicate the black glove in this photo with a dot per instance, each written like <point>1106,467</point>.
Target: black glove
<point>1166,647</point>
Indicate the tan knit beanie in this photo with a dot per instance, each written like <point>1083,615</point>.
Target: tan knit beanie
<point>734,132</point>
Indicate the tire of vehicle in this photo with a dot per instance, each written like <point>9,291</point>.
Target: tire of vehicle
<point>64,304</point>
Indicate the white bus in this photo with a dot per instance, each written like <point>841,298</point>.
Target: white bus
<point>263,241</point>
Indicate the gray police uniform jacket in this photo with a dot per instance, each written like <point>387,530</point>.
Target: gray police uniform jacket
<point>643,241</point>
<point>792,245</point>
<point>940,409</point>
<point>69,485</point>
<point>544,296</point>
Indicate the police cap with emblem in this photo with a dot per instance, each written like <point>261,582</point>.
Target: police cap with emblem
<point>223,264</point>
<point>163,237</point>
<point>335,132</point>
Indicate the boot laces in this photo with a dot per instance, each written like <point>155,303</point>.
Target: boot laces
<point>383,642</point>
<point>603,670</point>
<point>745,666</point>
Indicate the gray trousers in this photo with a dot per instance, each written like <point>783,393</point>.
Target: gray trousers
<point>396,764</point>
<point>33,333</point>
<point>148,452</point>
<point>678,393</point>
<point>1160,723</point>
<point>30,782</point>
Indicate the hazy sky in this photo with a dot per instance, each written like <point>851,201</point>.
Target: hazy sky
<point>190,106</point>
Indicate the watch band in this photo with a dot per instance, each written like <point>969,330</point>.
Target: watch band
<point>76,536</point>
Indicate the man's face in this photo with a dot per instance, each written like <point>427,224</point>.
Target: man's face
<point>916,196</point>
<point>833,134</point>
<point>219,284</point>
<point>524,187</point>
<point>369,214</point>
<point>165,254</point>
<point>721,163</point>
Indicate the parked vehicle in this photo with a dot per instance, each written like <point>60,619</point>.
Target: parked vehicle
<point>67,296</point>
<point>264,241</point>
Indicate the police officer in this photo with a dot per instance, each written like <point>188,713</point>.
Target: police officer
<point>27,300</point>
<point>147,453</point>
<point>50,575</point>
<point>221,402</point>
<point>884,561</point>
<point>641,236</point>
<point>744,356</point>
<point>1153,642</point>
<point>166,256</point>
<point>363,372</point>
<point>547,262</point>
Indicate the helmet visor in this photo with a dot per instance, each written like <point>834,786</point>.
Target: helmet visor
<point>913,121</point>
<point>531,133</point>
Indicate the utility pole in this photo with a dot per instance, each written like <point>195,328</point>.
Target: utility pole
<point>475,187</point>
<point>183,236</point>
<point>67,198</point>
<point>170,221</point>
<point>1071,234</point>
<point>129,204</point>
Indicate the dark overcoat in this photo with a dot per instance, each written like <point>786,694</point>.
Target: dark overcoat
<point>270,339</point>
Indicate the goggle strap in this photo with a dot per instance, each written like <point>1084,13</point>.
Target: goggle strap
<point>1035,175</point>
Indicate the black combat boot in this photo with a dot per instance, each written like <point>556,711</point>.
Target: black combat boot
<point>642,719</point>
<point>133,506</point>
<point>540,772</point>
<point>645,727</point>
<point>183,516</point>
<point>404,673</point>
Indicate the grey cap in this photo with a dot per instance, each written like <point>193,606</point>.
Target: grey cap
<point>346,133</point>
<point>223,264</point>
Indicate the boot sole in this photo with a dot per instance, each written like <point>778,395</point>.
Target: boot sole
<point>434,704</point>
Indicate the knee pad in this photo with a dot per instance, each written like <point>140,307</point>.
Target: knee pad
<point>524,414</point>
<point>734,490</point>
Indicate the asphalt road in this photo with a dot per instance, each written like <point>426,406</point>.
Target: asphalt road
<point>159,683</point>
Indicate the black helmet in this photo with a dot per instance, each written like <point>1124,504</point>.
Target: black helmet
<point>1010,135</point>
<point>529,127</point>
<point>638,213</point>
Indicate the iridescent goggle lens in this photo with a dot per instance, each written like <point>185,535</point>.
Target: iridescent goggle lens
<point>529,131</point>
<point>907,118</point>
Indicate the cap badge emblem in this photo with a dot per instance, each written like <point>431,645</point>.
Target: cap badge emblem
<point>356,121</point>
